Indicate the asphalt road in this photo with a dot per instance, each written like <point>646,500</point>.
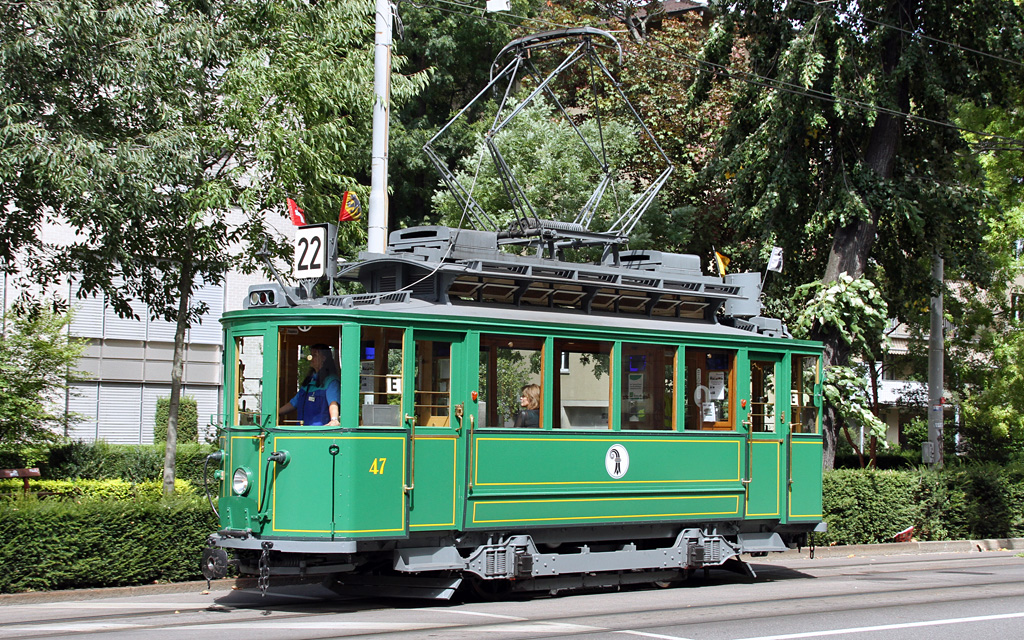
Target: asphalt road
<point>930,596</point>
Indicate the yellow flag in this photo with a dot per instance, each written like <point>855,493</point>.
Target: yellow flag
<point>723,263</point>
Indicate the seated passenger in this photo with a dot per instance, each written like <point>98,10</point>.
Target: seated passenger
<point>529,400</point>
<point>317,401</point>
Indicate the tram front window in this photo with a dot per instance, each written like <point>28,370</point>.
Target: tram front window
<point>309,376</point>
<point>248,380</point>
<point>381,355</point>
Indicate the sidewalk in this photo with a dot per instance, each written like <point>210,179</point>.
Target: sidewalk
<point>839,551</point>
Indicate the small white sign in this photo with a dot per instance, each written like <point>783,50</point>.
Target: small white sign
<point>394,384</point>
<point>710,412</point>
<point>310,252</point>
<point>616,461</point>
<point>716,384</point>
<point>635,385</point>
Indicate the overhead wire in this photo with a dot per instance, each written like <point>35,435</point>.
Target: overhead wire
<point>747,77</point>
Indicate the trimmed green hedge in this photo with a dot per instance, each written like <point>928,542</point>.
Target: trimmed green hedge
<point>134,463</point>
<point>188,420</point>
<point>959,503</point>
<point>113,489</point>
<point>55,544</point>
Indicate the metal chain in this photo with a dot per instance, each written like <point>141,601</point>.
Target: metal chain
<point>264,580</point>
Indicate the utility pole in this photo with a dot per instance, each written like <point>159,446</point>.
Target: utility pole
<point>931,451</point>
<point>377,220</point>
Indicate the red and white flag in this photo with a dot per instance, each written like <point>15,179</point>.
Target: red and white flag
<point>298,216</point>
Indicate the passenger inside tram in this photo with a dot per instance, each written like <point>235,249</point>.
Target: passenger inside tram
<point>319,395</point>
<point>529,401</point>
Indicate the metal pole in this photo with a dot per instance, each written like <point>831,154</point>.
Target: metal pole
<point>936,352</point>
<point>378,217</point>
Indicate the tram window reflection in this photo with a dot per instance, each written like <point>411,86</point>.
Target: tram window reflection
<point>583,396</point>
<point>380,377</point>
<point>248,379</point>
<point>805,377</point>
<point>710,381</point>
<point>507,364</point>
<point>308,372</point>
<point>648,386</point>
<point>763,395</point>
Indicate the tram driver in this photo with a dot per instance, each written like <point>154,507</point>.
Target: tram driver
<point>318,401</point>
<point>529,413</point>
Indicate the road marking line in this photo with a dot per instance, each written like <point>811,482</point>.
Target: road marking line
<point>109,605</point>
<point>652,635</point>
<point>72,626</point>
<point>470,613</point>
<point>888,627</point>
<point>271,625</point>
<point>537,627</point>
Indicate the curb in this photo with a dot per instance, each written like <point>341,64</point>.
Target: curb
<point>903,548</point>
<point>838,551</point>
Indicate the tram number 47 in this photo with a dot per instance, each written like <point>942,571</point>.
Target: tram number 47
<point>377,467</point>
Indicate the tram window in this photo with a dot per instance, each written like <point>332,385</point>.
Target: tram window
<point>295,369</point>
<point>710,380</point>
<point>648,384</point>
<point>433,383</point>
<point>805,377</point>
<point>380,377</point>
<point>763,395</point>
<point>507,365</point>
<point>248,379</point>
<point>583,397</point>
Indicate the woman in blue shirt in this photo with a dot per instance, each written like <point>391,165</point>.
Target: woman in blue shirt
<point>317,402</point>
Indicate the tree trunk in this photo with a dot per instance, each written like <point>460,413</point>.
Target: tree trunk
<point>852,242</point>
<point>177,372</point>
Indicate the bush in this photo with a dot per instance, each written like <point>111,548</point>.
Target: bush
<point>55,544</point>
<point>133,463</point>
<point>960,502</point>
<point>92,489</point>
<point>188,420</point>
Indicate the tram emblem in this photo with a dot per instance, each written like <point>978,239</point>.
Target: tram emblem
<point>616,462</point>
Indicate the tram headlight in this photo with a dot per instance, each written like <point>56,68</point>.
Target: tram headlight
<point>240,481</point>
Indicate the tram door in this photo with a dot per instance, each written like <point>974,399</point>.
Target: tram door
<point>437,423</point>
<point>765,437</point>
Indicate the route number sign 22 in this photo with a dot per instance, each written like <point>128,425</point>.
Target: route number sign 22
<point>311,251</point>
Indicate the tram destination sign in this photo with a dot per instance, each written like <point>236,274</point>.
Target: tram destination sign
<point>316,252</point>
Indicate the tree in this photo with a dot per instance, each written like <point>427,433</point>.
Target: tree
<point>38,361</point>
<point>145,126</point>
<point>839,145</point>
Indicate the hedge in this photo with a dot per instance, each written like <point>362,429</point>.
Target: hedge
<point>134,463</point>
<point>113,489</point>
<point>959,503</point>
<point>188,420</point>
<point>55,544</point>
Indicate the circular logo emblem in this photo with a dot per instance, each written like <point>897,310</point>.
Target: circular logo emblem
<point>616,461</point>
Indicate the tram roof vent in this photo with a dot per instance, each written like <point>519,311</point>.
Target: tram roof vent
<point>674,263</point>
<point>436,242</point>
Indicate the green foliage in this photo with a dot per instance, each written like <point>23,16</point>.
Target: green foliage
<point>93,489</point>
<point>853,308</point>
<point>551,164</point>
<point>188,420</point>
<point>961,502</point>
<point>56,544</point>
<point>132,463</point>
<point>37,362</point>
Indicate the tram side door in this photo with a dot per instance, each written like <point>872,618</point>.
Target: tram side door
<point>437,423</point>
<point>765,424</point>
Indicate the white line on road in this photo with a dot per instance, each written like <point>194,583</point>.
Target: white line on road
<point>469,613</point>
<point>109,605</point>
<point>888,627</point>
<point>652,635</point>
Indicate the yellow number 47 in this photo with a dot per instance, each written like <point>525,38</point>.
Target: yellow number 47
<point>378,466</point>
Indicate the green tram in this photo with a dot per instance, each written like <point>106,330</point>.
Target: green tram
<point>676,430</point>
